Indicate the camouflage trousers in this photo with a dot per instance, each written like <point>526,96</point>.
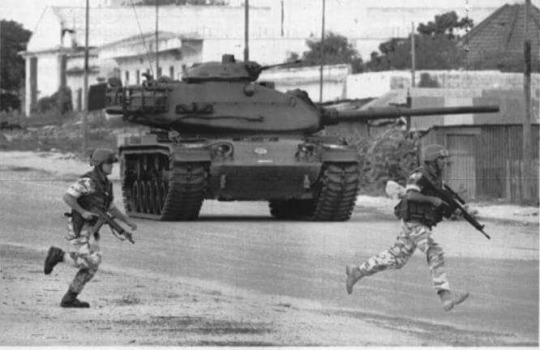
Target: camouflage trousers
<point>83,254</point>
<point>413,235</point>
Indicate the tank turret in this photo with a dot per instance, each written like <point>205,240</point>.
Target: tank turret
<point>226,136</point>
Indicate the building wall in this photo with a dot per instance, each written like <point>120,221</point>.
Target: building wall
<point>376,84</point>
<point>487,160</point>
<point>308,79</point>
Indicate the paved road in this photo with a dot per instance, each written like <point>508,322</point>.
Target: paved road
<point>240,246</point>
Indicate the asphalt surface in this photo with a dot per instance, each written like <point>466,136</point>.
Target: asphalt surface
<point>240,247</point>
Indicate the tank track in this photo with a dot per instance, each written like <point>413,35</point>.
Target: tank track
<point>337,194</point>
<point>186,192</point>
<point>335,197</point>
<point>157,194</point>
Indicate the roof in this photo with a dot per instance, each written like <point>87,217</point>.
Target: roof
<point>140,45</point>
<point>498,41</point>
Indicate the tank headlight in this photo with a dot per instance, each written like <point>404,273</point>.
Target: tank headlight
<point>306,148</point>
<point>331,146</point>
<point>249,90</point>
<point>193,145</point>
<point>222,150</point>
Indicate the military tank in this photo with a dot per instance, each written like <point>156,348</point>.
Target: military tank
<point>220,134</point>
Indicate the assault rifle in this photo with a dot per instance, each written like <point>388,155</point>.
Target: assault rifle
<point>454,201</point>
<point>116,229</point>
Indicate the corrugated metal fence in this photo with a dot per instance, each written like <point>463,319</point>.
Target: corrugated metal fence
<point>487,160</point>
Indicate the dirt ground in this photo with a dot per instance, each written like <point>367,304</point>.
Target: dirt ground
<point>161,312</point>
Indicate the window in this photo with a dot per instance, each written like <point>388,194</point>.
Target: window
<point>138,77</point>
<point>126,79</point>
<point>171,72</point>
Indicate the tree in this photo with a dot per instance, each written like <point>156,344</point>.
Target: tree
<point>13,40</point>
<point>445,25</point>
<point>336,50</point>
<point>436,47</point>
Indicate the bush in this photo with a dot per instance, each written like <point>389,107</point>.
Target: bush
<point>392,155</point>
<point>427,81</point>
<point>59,102</point>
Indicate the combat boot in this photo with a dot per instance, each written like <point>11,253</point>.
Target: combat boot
<point>450,299</point>
<point>354,274</point>
<point>70,301</point>
<point>54,256</point>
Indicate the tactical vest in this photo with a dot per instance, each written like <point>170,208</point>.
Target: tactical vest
<point>101,198</point>
<point>424,213</point>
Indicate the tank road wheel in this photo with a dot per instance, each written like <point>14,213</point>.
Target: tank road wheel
<point>135,195</point>
<point>151,197</point>
<point>163,190</point>
<point>337,193</point>
<point>186,192</point>
<point>144,197</point>
<point>158,197</point>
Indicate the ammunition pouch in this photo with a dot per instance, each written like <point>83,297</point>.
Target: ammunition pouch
<point>77,221</point>
<point>423,213</point>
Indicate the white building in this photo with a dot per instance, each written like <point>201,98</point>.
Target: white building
<point>123,43</point>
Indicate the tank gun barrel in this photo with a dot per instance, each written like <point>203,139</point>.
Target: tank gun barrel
<point>280,65</point>
<point>255,69</point>
<point>334,116</point>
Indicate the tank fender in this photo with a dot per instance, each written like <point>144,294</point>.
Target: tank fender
<point>335,153</point>
<point>191,155</point>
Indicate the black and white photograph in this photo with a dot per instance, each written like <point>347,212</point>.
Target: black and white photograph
<point>269,173</point>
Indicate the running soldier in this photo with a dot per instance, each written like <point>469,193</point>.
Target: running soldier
<point>91,190</point>
<point>419,211</point>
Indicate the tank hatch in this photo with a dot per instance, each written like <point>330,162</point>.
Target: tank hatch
<point>227,70</point>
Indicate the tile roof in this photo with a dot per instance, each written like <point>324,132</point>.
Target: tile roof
<point>498,41</point>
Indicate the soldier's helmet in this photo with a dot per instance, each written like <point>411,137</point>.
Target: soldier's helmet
<point>432,152</point>
<point>102,155</point>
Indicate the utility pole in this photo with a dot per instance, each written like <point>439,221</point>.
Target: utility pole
<point>527,175</point>
<point>0,62</point>
<point>413,57</point>
<point>321,79</point>
<point>157,39</point>
<point>246,30</point>
<point>413,74</point>
<point>282,19</point>
<point>85,82</point>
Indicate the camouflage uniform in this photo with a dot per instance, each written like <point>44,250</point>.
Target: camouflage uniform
<point>414,234</point>
<point>417,219</point>
<point>84,237</point>
<point>92,191</point>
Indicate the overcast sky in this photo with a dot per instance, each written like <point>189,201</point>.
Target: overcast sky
<point>28,12</point>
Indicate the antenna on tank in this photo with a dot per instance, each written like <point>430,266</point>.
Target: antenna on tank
<point>85,80</point>
<point>321,82</point>
<point>157,38</point>
<point>246,30</point>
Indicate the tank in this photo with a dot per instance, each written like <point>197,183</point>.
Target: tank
<point>220,134</point>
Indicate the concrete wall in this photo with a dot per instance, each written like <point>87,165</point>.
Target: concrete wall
<point>378,83</point>
<point>308,79</point>
<point>469,79</point>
